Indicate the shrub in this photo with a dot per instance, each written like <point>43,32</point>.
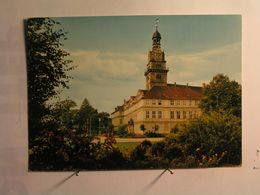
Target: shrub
<point>122,131</point>
<point>153,134</point>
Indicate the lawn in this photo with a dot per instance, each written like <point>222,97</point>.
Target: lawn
<point>126,147</point>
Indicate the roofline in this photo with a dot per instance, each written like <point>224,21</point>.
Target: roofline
<point>180,85</point>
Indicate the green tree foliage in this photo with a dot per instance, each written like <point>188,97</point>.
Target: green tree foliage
<point>142,128</point>
<point>65,114</point>
<point>104,123</point>
<point>175,129</point>
<point>221,93</point>
<point>215,133</point>
<point>70,150</point>
<point>87,117</point>
<point>122,131</point>
<point>47,67</point>
<point>61,146</point>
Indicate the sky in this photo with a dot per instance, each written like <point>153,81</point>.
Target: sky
<point>111,53</point>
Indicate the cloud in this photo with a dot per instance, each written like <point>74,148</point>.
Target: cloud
<point>97,65</point>
<point>107,78</point>
<point>200,67</point>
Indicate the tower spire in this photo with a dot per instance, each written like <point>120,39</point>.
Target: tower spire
<point>156,73</point>
<point>156,24</point>
<point>156,35</point>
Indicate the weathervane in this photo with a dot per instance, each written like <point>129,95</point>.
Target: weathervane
<point>156,23</point>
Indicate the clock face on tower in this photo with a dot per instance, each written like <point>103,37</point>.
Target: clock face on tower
<point>157,56</point>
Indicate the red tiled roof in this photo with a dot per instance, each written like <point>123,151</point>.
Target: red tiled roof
<point>174,91</point>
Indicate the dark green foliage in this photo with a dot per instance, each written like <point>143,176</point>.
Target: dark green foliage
<point>155,128</point>
<point>47,67</point>
<point>142,128</point>
<point>62,146</point>
<point>87,116</point>
<point>221,93</point>
<point>216,133</point>
<point>175,129</point>
<point>141,157</point>
<point>153,134</point>
<point>109,157</point>
<point>60,150</point>
<point>65,114</point>
<point>140,151</point>
<point>104,123</point>
<point>122,131</point>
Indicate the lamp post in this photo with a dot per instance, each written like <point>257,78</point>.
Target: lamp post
<point>99,131</point>
<point>90,125</point>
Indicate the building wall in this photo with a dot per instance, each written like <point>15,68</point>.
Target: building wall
<point>117,118</point>
<point>164,113</point>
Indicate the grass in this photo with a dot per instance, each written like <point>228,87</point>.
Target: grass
<point>126,147</point>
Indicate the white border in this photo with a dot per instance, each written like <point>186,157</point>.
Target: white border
<point>13,105</point>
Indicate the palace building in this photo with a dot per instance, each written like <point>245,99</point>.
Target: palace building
<point>161,105</point>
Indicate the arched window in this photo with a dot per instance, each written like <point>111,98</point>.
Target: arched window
<point>158,76</point>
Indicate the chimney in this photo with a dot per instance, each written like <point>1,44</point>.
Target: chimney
<point>187,85</point>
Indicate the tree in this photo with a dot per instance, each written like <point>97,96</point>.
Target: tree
<point>121,131</point>
<point>156,127</point>
<point>47,67</point>
<point>104,122</point>
<point>65,114</point>
<point>175,129</point>
<point>216,133</point>
<point>221,93</point>
<point>87,117</point>
<point>142,128</point>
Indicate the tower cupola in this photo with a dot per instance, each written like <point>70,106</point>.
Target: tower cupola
<point>156,72</point>
<point>156,36</point>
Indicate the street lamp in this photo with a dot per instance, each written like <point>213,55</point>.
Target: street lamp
<point>99,131</point>
<point>90,125</point>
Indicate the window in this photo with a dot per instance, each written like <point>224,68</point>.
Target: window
<point>147,114</point>
<point>158,77</point>
<point>190,114</point>
<point>153,102</point>
<point>178,102</point>
<point>184,114</point>
<point>171,114</point>
<point>159,114</point>
<point>172,102</point>
<point>158,65</point>
<point>159,102</point>
<point>153,114</point>
<point>184,102</point>
<point>178,113</point>
<point>195,114</point>
<point>147,102</point>
<point>121,121</point>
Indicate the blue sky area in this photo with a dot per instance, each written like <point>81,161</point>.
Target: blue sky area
<point>111,53</point>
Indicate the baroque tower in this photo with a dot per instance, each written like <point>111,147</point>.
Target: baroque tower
<point>156,72</point>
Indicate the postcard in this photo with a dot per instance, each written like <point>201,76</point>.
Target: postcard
<point>134,92</point>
